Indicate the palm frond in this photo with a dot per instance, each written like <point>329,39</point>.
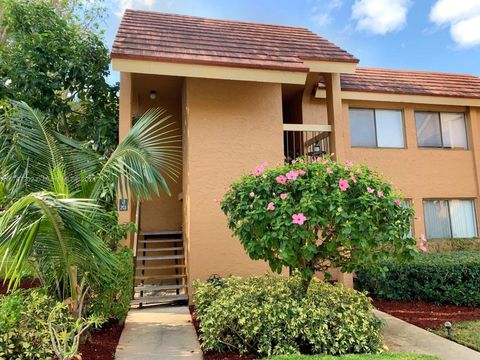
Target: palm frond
<point>30,150</point>
<point>151,150</point>
<point>59,232</point>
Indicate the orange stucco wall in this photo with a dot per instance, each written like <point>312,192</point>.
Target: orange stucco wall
<point>418,173</point>
<point>163,212</point>
<point>230,127</point>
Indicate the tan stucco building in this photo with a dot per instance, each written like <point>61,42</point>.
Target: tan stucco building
<point>244,93</point>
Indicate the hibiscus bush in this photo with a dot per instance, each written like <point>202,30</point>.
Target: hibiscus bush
<point>315,215</point>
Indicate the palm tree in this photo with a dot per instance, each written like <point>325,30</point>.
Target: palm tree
<point>61,189</point>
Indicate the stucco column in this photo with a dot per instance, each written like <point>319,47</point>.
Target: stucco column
<point>474,143</point>
<point>335,118</point>
<point>125,124</point>
<point>337,138</point>
<point>418,221</point>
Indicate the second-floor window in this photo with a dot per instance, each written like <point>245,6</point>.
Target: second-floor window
<point>376,128</point>
<point>441,130</point>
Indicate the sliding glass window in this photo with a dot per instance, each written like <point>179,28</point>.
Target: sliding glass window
<point>441,130</point>
<point>376,128</point>
<point>447,219</point>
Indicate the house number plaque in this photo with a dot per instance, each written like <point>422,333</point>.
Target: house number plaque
<point>123,205</point>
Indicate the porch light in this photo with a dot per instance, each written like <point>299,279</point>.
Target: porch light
<point>153,95</point>
<point>316,148</point>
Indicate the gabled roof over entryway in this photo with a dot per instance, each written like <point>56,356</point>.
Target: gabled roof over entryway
<point>188,40</point>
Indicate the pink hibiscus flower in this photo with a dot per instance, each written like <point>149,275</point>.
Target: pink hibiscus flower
<point>352,177</point>
<point>379,193</point>
<point>283,196</point>
<point>329,171</point>
<point>260,169</point>
<point>281,179</point>
<point>271,206</point>
<point>398,202</point>
<point>292,175</point>
<point>421,244</point>
<point>343,184</point>
<point>348,165</point>
<point>298,219</point>
<point>370,190</point>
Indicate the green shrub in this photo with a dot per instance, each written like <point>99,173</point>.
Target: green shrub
<point>383,356</point>
<point>24,332</point>
<point>313,216</point>
<point>112,299</point>
<point>270,316</point>
<point>443,278</point>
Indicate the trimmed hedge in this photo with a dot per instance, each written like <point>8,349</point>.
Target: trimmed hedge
<point>383,356</point>
<point>271,315</point>
<point>442,278</point>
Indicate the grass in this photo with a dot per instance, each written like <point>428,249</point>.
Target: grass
<point>466,333</point>
<point>383,356</point>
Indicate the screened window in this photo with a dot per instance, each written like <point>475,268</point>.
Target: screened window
<point>376,128</point>
<point>450,219</point>
<point>441,130</point>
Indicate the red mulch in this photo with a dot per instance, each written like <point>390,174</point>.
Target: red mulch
<point>211,355</point>
<point>24,284</point>
<point>427,315</point>
<point>103,343</point>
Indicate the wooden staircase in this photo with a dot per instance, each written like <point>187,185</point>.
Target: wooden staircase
<point>160,273</point>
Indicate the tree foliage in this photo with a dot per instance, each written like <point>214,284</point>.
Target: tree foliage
<point>52,57</point>
<point>56,215</point>
<point>312,216</point>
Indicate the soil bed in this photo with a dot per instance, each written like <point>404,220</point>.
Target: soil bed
<point>427,315</point>
<point>212,355</point>
<point>24,284</point>
<point>103,343</point>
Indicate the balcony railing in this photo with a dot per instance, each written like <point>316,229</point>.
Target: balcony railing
<point>309,141</point>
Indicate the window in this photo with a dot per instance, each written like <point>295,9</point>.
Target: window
<point>408,204</point>
<point>450,219</point>
<point>376,128</point>
<point>441,130</point>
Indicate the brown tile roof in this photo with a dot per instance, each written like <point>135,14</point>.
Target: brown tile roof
<point>188,39</point>
<point>411,82</point>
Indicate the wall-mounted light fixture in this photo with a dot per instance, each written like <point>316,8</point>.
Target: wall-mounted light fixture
<point>153,95</point>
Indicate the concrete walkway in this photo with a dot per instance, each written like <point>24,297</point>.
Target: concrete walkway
<point>156,333</point>
<point>401,336</point>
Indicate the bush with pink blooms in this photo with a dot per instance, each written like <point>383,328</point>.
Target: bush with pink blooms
<point>312,216</point>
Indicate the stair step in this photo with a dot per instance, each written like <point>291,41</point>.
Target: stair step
<point>166,257</point>
<point>160,249</point>
<point>159,299</point>
<point>160,267</point>
<point>161,233</point>
<point>160,277</point>
<point>159,287</point>
<point>159,241</point>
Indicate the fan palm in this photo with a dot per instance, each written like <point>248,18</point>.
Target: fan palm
<point>61,186</point>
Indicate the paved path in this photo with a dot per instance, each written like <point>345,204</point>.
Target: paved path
<point>401,336</point>
<point>164,333</point>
